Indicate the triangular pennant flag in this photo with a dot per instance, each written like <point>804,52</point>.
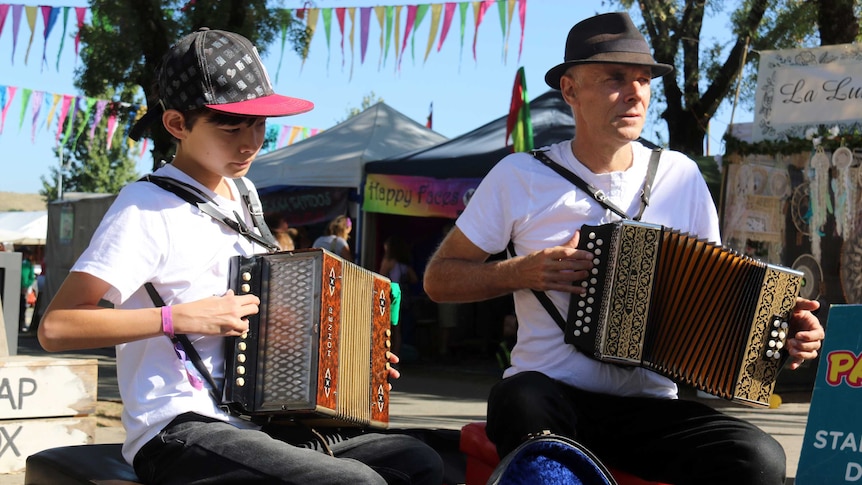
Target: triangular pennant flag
<point>501,9</point>
<point>408,27</point>
<point>421,10</point>
<point>364,23</point>
<point>80,13</point>
<point>62,36</point>
<point>510,13</point>
<point>462,9</point>
<point>6,97</point>
<point>352,13</point>
<point>51,111</point>
<point>397,31</point>
<point>49,18</point>
<point>88,112</point>
<point>71,118</point>
<point>281,136</point>
<point>25,103</point>
<point>17,10</point>
<point>293,132</point>
<point>479,9</point>
<point>38,98</point>
<point>380,12</point>
<point>112,127</point>
<point>447,22</point>
<point>436,10</point>
<point>97,117</point>
<point>64,112</point>
<point>327,29</point>
<point>518,123</point>
<point>339,14</point>
<point>283,32</point>
<point>389,21</point>
<point>4,9</point>
<point>522,16</point>
<point>31,12</point>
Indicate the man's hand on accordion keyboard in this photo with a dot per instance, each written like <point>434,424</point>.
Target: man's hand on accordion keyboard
<point>225,315</point>
<point>806,331</point>
<point>557,268</point>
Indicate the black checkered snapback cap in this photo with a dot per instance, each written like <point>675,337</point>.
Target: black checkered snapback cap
<point>221,71</point>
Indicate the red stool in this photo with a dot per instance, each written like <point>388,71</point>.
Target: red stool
<point>482,458</point>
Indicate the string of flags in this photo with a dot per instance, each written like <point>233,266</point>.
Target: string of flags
<point>397,25</point>
<point>43,109</point>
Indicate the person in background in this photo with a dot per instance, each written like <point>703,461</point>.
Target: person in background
<point>335,238</point>
<point>281,230</point>
<point>214,97</point>
<point>41,300</point>
<point>28,277</point>
<point>395,265</point>
<point>630,417</point>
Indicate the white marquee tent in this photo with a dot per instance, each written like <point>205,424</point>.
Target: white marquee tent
<point>336,157</point>
<point>24,228</point>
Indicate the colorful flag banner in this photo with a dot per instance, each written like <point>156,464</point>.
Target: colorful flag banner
<point>518,123</point>
<point>389,22</point>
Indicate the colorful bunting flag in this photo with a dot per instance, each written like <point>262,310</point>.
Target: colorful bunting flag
<point>518,123</point>
<point>389,20</point>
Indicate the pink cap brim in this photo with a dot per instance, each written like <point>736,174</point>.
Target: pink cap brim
<point>272,105</point>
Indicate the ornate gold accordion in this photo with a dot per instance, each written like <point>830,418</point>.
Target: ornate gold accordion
<point>696,312</point>
<point>317,349</point>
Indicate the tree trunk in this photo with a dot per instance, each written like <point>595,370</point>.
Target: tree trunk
<point>686,132</point>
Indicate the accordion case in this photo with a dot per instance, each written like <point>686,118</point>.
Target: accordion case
<point>317,350</point>
<point>698,313</point>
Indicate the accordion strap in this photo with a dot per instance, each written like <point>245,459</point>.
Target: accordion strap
<point>597,193</point>
<point>207,205</point>
<point>602,199</point>
<point>182,340</point>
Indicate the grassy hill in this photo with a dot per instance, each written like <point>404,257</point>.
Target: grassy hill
<point>13,201</point>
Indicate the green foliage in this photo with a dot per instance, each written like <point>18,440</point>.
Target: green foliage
<point>368,101</point>
<point>820,136</point>
<point>127,39</point>
<point>89,166</point>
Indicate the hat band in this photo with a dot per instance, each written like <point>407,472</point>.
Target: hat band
<point>634,46</point>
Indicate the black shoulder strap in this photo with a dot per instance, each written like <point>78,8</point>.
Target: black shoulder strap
<point>545,300</point>
<point>205,204</point>
<point>597,193</point>
<point>186,344</point>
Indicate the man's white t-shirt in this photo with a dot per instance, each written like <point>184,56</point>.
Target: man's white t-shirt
<point>151,235</point>
<point>525,201</point>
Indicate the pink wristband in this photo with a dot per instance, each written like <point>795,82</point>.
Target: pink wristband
<point>167,321</point>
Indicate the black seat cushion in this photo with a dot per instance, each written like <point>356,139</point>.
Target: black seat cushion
<point>82,464</point>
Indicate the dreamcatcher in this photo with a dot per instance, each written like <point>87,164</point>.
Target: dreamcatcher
<point>845,192</point>
<point>819,198</point>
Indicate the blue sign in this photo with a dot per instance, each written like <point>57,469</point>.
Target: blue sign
<point>832,448</point>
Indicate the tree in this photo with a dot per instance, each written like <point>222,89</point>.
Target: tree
<point>707,73</point>
<point>127,39</point>
<point>89,166</point>
<point>368,101</point>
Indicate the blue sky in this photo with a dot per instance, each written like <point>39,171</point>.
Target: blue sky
<point>465,93</point>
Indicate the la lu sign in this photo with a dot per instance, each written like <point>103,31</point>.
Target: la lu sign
<point>798,89</point>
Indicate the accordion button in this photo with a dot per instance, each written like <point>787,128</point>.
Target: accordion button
<point>241,346</point>
<point>598,252</point>
<point>779,345</point>
<point>594,271</point>
<point>594,281</point>
<point>586,329</point>
<point>388,332</point>
<point>577,333</point>
<point>241,358</point>
<point>246,276</point>
<point>245,288</point>
<point>588,319</point>
<point>240,381</point>
<point>769,353</point>
<point>579,323</point>
<point>784,325</point>
<point>590,245</point>
<point>596,261</point>
<point>240,369</point>
<point>592,235</point>
<point>580,313</point>
<point>771,343</point>
<point>388,355</point>
<point>782,335</point>
<point>774,333</point>
<point>599,242</point>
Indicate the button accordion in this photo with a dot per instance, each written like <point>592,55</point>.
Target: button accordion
<point>696,312</point>
<point>317,351</point>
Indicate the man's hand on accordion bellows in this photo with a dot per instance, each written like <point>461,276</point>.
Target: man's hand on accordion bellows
<point>557,268</point>
<point>806,331</point>
<point>225,315</point>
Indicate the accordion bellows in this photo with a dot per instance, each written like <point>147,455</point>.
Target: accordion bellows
<point>696,312</point>
<point>317,350</point>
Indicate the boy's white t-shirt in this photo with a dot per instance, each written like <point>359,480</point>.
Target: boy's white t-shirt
<point>523,200</point>
<point>151,235</point>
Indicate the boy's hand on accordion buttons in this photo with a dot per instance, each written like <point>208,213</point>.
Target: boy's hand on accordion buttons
<point>393,372</point>
<point>806,331</point>
<point>225,315</point>
<point>557,268</point>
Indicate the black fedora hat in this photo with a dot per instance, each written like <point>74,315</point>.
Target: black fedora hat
<point>609,38</point>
